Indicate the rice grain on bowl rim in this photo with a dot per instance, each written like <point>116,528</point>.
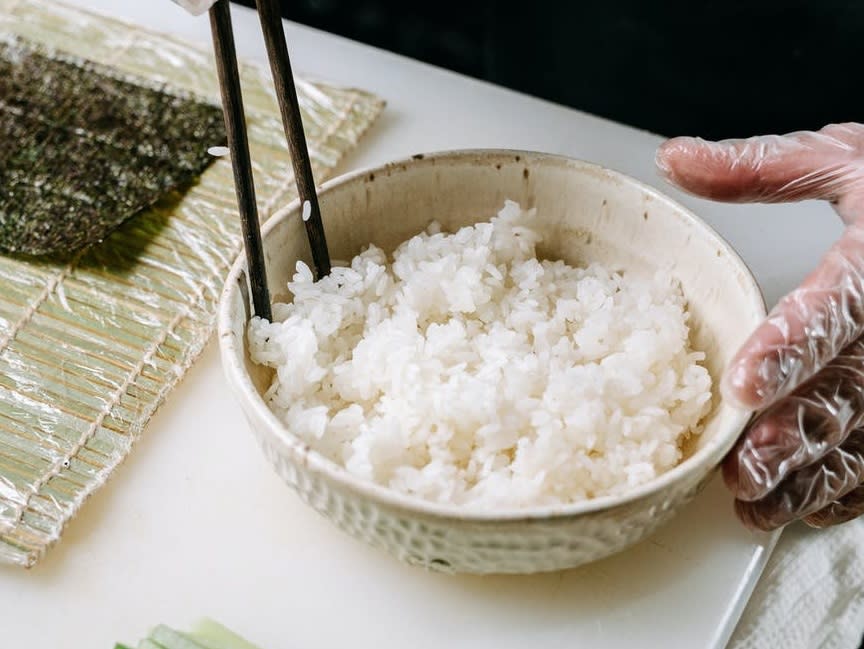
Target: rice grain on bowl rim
<point>467,371</point>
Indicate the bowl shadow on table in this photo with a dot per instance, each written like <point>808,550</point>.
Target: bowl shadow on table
<point>671,556</point>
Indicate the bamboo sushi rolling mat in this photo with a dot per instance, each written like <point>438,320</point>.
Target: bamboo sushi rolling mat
<point>91,345</point>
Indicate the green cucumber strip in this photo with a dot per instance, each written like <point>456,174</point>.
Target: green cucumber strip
<point>147,643</point>
<point>171,639</point>
<point>215,636</point>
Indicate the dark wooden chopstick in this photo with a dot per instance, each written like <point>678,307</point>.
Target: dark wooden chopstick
<point>238,143</point>
<point>283,79</point>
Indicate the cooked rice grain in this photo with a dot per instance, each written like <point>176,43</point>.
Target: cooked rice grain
<point>468,371</point>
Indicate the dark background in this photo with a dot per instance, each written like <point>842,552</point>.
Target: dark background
<point>716,69</point>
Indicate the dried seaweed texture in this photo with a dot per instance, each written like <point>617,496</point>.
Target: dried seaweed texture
<point>86,148</point>
<point>91,343</point>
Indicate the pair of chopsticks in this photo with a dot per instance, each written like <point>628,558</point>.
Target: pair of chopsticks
<point>238,143</point>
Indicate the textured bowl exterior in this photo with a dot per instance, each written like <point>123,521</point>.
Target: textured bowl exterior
<point>446,538</point>
<point>459,546</point>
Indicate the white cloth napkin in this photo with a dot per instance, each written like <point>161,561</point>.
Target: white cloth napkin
<point>811,595</point>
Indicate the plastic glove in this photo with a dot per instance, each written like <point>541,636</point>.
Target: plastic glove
<point>195,7</point>
<point>803,368</point>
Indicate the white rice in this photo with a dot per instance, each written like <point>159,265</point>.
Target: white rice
<point>468,371</point>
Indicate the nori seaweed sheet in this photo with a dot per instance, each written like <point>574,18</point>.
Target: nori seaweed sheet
<point>85,148</point>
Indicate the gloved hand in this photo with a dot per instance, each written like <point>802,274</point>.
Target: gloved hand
<point>195,7</point>
<point>803,368</point>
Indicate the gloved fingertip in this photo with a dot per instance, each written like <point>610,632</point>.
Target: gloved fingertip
<point>847,508</point>
<point>668,152</point>
<point>754,519</point>
<point>746,389</point>
<point>729,470</point>
<point>738,394</point>
<point>661,163</point>
<point>817,521</point>
<point>744,513</point>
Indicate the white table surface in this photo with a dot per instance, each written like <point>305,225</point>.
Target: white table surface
<point>168,540</point>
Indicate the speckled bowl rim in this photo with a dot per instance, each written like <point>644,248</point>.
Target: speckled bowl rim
<point>705,460</point>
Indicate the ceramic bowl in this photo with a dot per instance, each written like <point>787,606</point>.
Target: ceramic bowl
<point>589,213</point>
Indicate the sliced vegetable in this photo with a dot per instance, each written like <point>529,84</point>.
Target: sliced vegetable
<point>171,639</point>
<point>147,643</point>
<point>206,635</point>
<point>215,636</point>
